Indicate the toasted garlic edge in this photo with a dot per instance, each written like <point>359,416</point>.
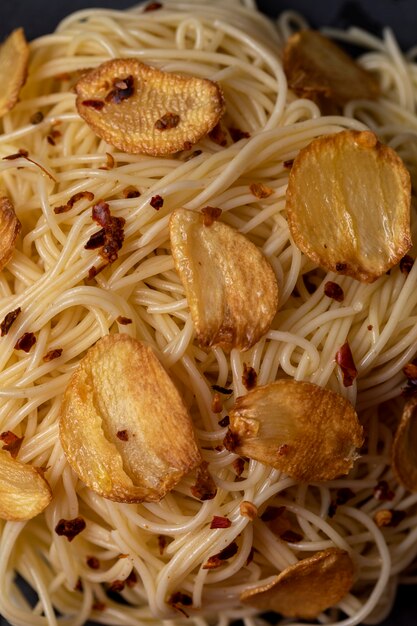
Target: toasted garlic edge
<point>14,58</point>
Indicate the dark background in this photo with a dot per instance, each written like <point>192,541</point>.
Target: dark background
<point>41,16</point>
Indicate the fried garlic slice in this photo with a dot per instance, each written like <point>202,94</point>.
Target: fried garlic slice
<point>123,426</point>
<point>231,288</point>
<point>318,69</point>
<point>403,453</point>
<point>14,58</point>
<point>348,204</point>
<point>24,492</point>
<point>9,229</point>
<point>141,109</point>
<point>307,588</point>
<point>308,432</point>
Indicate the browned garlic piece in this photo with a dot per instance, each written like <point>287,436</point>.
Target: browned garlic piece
<point>403,455</point>
<point>318,69</point>
<point>9,229</point>
<point>307,588</point>
<point>24,492</point>
<point>14,58</point>
<point>230,286</point>
<point>348,204</point>
<point>141,109</point>
<point>123,427</point>
<point>304,430</point>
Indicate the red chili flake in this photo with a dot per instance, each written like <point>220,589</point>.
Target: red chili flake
<point>96,240</point>
<point>162,542</point>
<point>123,435</point>
<point>132,579</point>
<point>334,291</point>
<point>93,271</point>
<point>178,600</point>
<point>167,121</point>
<point>291,536</point>
<point>222,389</point>
<point>218,135</point>
<point>288,164</point>
<point>283,449</point>
<point>124,321</point>
<point>8,321</point>
<point>94,104</point>
<point>210,214</point>
<point>93,562</point>
<point>406,264</point>
<point>239,466</point>
<point>70,528</point>
<point>220,522</point>
<point>123,88</point>
<point>77,196</point>
<point>101,213</point>
<point>130,192</point>
<point>383,492</point>
<point>52,354</point>
<point>117,586</point>
<point>260,191</point>
<point>79,585</point>
<point>219,448</point>
<point>112,239</point>
<point>25,342</point>
<point>213,562</point>
<point>237,134</point>
<point>345,361</point>
<point>217,559</point>
<point>205,487</point>
<point>216,404</point>
<point>250,557</point>
<point>370,327</point>
<point>12,443</point>
<point>231,441</point>
<point>157,202</point>
<point>55,133</point>
<point>99,606</point>
<point>152,6</point>
<point>17,155</point>
<point>340,267</point>
<point>225,421</point>
<point>51,140</point>
<point>272,513</point>
<point>249,377</point>
<point>36,118</point>
<point>410,370</point>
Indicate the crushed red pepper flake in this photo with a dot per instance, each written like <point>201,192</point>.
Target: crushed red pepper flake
<point>205,487</point>
<point>224,555</point>
<point>132,579</point>
<point>70,528</point>
<point>260,191</point>
<point>225,421</point>
<point>210,214</point>
<point>123,435</point>
<point>223,390</point>
<point>79,585</point>
<point>8,321</point>
<point>17,155</point>
<point>382,492</point>
<point>239,466</point>
<point>216,404</point>
<point>74,198</point>
<point>94,104</point>
<point>290,536</point>
<point>410,370</point>
<point>96,240</point>
<point>124,321</point>
<point>288,164</point>
<point>11,442</point>
<point>370,327</point>
<point>249,377</point>
<point>162,543</point>
<point>156,202</point>
<point>99,606</point>
<point>334,291</point>
<point>218,135</point>
<point>36,118</point>
<point>25,342</point>
<point>112,238</point>
<point>123,88</point>
<point>93,562</point>
<point>406,264</point>
<point>178,600</point>
<point>51,140</point>
<point>220,522</point>
<point>237,134</point>
<point>116,586</point>
<point>344,359</point>
<point>167,121</point>
<point>130,192</point>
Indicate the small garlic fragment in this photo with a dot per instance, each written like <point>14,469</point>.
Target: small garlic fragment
<point>230,286</point>
<point>307,588</point>
<point>308,432</point>
<point>123,427</point>
<point>348,204</point>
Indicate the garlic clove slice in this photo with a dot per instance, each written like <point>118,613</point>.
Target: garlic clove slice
<point>10,228</point>
<point>14,58</point>
<point>123,426</point>
<point>403,453</point>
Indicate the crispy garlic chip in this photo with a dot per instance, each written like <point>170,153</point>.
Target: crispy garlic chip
<point>123,427</point>
<point>307,588</point>
<point>231,288</point>
<point>24,491</point>
<point>308,432</point>
<point>318,69</point>
<point>403,454</point>
<point>348,204</point>
<point>9,229</point>
<point>14,58</point>
<point>140,109</point>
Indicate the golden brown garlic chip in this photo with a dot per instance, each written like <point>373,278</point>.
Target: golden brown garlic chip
<point>404,447</point>
<point>14,57</point>
<point>307,588</point>
<point>318,69</point>
<point>9,229</point>
<point>304,430</point>
<point>231,288</point>
<point>24,491</point>
<point>141,109</point>
<point>120,385</point>
<point>348,204</point>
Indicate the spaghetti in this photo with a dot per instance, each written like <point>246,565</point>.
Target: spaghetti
<point>154,551</point>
